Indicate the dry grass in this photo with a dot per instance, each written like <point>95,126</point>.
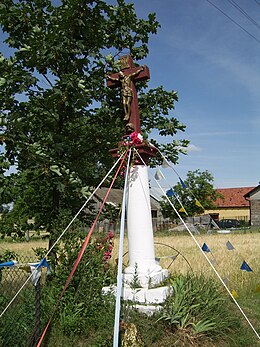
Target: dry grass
<point>23,248</point>
<point>247,247</point>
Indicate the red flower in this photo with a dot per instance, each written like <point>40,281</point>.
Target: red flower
<point>110,234</point>
<point>99,246</point>
<point>136,138</point>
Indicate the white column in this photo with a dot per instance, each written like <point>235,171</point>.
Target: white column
<point>140,230</point>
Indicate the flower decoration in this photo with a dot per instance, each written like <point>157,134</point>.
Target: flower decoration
<point>136,138</point>
<point>106,246</point>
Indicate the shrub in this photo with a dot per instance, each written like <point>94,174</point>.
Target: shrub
<point>83,308</point>
<point>197,306</point>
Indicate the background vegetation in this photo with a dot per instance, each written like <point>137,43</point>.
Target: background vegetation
<point>58,120</point>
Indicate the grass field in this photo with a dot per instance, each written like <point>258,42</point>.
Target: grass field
<point>23,248</point>
<point>226,262</point>
<point>190,258</point>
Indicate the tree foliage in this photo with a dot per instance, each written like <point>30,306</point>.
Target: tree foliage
<point>58,119</point>
<point>195,194</point>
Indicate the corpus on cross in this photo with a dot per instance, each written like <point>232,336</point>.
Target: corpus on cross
<point>126,79</point>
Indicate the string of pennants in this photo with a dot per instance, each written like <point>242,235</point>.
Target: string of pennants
<point>244,266</point>
<point>170,193</point>
<point>34,268</point>
<point>225,282</point>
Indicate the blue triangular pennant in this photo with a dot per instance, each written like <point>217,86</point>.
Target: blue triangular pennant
<point>8,264</point>
<point>182,183</point>
<point>229,245</point>
<point>170,192</point>
<point>205,248</point>
<point>246,267</point>
<point>43,263</point>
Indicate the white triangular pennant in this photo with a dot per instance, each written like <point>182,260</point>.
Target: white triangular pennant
<point>165,164</point>
<point>158,175</point>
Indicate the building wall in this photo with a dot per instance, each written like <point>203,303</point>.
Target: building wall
<point>242,213</point>
<point>255,196</point>
<point>255,212</point>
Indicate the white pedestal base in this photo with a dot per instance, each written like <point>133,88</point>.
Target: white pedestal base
<point>146,278</point>
<point>145,300</point>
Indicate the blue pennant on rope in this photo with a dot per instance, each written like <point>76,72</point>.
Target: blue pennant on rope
<point>170,192</point>
<point>182,183</point>
<point>157,260</point>
<point>205,248</point>
<point>8,264</point>
<point>229,245</point>
<point>246,267</point>
<point>43,263</point>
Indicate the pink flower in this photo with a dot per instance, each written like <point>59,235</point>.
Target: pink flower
<point>110,234</point>
<point>107,255</point>
<point>136,138</point>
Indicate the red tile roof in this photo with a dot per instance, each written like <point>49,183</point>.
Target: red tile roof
<point>251,192</point>
<point>233,197</point>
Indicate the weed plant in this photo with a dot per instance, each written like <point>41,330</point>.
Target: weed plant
<point>17,324</point>
<point>199,310</point>
<point>83,309</point>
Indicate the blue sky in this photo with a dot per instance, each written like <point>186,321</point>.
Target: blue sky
<point>214,66</point>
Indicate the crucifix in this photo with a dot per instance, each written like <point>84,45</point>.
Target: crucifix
<point>141,252</point>
<point>126,79</point>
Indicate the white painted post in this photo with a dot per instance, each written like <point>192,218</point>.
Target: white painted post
<point>140,230</point>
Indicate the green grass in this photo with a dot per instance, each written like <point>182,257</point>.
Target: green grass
<point>199,314</point>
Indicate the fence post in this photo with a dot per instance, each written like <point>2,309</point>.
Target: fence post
<point>37,320</point>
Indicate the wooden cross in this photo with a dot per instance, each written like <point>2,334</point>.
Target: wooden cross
<point>126,79</point>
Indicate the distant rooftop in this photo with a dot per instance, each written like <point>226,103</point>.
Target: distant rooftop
<point>233,197</point>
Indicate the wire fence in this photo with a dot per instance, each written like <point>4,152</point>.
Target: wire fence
<point>20,325</point>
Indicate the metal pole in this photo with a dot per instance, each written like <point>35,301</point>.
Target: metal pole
<point>120,259</point>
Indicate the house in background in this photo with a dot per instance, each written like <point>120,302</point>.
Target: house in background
<point>253,197</point>
<point>233,205</point>
<point>114,200</point>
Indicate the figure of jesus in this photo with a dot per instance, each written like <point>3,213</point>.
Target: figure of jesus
<point>126,90</point>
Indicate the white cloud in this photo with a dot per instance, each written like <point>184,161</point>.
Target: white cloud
<point>193,148</point>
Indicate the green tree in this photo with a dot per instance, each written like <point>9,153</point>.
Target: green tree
<point>195,194</point>
<point>58,119</point>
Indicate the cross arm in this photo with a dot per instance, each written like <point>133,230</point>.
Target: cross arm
<point>113,79</point>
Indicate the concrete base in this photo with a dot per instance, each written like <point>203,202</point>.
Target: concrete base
<point>145,300</point>
<point>144,278</point>
<point>145,295</point>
